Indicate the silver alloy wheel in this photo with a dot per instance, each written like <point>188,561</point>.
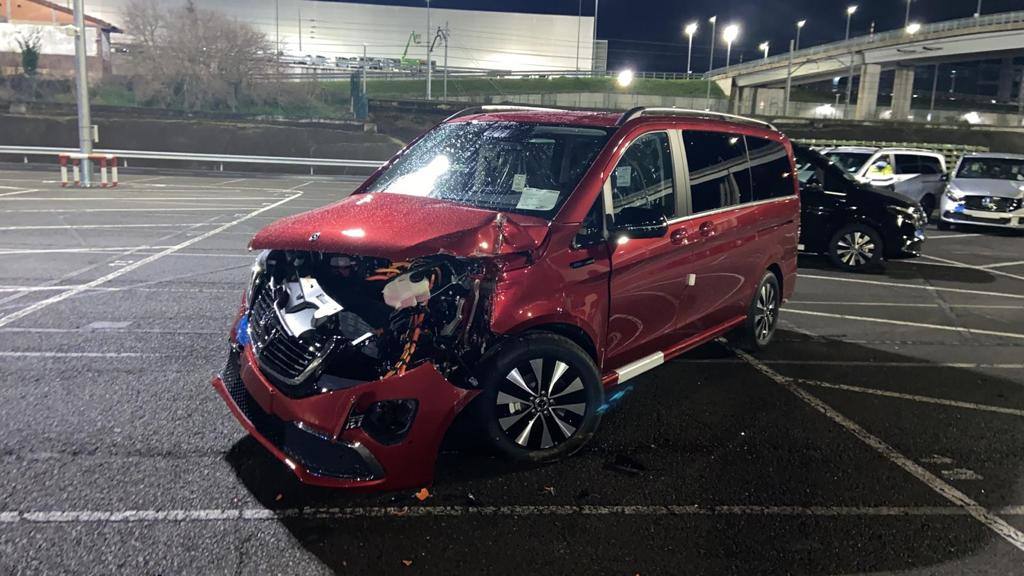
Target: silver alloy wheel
<point>767,312</point>
<point>541,403</point>
<point>855,248</point>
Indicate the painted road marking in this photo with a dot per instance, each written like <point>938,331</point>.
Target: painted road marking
<point>19,192</point>
<point>915,397</point>
<point>972,331</point>
<point>946,236</point>
<point>913,286</point>
<point>150,209</point>
<point>19,354</point>
<point>135,198</point>
<point>960,474</point>
<point>85,226</point>
<point>990,520</point>
<point>918,364</point>
<point>5,320</point>
<point>1004,264</point>
<point>905,305</point>
<point>341,513</point>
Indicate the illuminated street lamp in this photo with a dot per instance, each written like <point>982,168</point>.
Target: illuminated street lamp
<point>690,30</point>
<point>850,10</point>
<point>799,26</point>
<point>711,61</point>
<point>913,28</point>
<point>625,78</point>
<point>764,48</point>
<point>730,34</point>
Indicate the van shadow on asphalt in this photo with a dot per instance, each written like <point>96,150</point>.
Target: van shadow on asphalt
<point>707,430</point>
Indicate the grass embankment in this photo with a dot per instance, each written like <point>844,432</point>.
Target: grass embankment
<point>330,99</point>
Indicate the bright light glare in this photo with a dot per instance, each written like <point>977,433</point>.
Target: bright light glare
<point>971,118</point>
<point>691,29</point>
<point>713,19</point>
<point>421,182</point>
<point>354,233</point>
<point>625,78</point>
<point>851,9</point>
<point>824,111</point>
<point>913,28</point>
<point>801,23</point>
<point>731,33</point>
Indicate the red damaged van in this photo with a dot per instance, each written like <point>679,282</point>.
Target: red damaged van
<point>515,262</point>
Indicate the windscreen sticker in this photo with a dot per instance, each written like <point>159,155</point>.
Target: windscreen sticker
<point>623,176</point>
<point>537,199</point>
<point>519,182</point>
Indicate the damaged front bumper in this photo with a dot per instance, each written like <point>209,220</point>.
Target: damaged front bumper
<point>324,439</point>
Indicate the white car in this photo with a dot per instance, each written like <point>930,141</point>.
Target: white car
<point>985,190</point>
<point>916,174</point>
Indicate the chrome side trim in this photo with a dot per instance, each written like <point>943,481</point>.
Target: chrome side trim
<point>640,366</point>
<point>728,208</point>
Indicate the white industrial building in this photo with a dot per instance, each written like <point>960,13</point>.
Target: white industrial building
<point>510,41</point>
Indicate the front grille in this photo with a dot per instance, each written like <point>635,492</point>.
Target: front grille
<point>992,203</point>
<point>317,454</point>
<point>287,360</point>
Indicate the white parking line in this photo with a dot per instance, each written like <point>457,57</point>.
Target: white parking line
<point>915,397</point>
<point>19,192</point>
<point>5,320</point>
<point>960,329</point>
<point>133,198</point>
<point>232,181</point>
<point>151,209</point>
<point>911,286</point>
<point>972,267</point>
<point>17,354</point>
<point>980,513</point>
<point>116,249</point>
<point>113,226</point>
<point>397,512</point>
<point>907,304</point>
<point>1004,264</point>
<point>946,236</point>
<point>883,364</point>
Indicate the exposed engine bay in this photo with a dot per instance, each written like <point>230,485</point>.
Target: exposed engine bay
<point>321,322</point>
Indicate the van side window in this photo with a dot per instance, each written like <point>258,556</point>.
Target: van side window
<point>929,165</point>
<point>770,169</point>
<point>719,174</point>
<point>643,176</point>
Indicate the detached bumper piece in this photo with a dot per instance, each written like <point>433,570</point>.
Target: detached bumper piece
<point>315,453</point>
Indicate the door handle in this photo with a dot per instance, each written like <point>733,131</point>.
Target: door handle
<point>678,237</point>
<point>707,229</point>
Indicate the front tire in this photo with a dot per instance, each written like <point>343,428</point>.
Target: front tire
<point>762,316</point>
<point>856,247</point>
<point>540,399</point>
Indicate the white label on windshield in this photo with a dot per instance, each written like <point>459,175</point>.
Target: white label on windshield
<point>518,182</point>
<point>623,176</point>
<point>537,199</point>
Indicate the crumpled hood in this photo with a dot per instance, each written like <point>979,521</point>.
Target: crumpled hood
<point>989,187</point>
<point>396,226</point>
<point>892,196</point>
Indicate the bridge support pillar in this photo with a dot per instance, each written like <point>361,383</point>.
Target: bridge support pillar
<point>1007,74</point>
<point>867,93</point>
<point>902,93</point>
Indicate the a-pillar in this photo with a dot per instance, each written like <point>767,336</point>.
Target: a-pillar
<point>867,93</point>
<point>902,93</point>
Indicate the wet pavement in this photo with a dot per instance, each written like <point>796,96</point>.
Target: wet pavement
<point>882,432</point>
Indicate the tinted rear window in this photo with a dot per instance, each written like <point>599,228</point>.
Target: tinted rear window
<point>770,169</point>
<point>719,175</point>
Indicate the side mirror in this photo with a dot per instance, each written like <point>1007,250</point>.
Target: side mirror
<point>640,222</point>
<point>944,177</point>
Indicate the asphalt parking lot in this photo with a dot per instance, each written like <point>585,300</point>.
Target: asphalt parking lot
<point>883,432</point>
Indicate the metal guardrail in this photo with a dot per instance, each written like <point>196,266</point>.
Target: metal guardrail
<point>221,159</point>
<point>873,40</point>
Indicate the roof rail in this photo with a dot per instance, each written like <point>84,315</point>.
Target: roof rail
<point>642,110</point>
<point>498,108</point>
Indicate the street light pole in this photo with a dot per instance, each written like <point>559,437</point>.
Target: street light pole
<point>430,45</point>
<point>730,34</point>
<point>977,13</point>
<point>764,46</point>
<point>300,26</point>
<point>593,43</point>
<point>789,78</point>
<point>906,20</point>
<point>799,26</point>
<point>691,29</point>
<point>850,10</point>
<point>277,28</point>
<point>711,62</point>
<point>82,93</point>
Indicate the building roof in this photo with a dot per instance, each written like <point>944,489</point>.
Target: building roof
<point>89,20</point>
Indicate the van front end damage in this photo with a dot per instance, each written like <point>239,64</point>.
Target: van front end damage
<point>350,369</point>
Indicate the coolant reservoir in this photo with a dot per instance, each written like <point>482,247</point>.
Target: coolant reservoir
<point>402,292</point>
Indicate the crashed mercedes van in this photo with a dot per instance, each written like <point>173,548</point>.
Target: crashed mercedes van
<point>517,264</point>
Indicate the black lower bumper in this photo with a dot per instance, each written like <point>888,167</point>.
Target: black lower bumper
<point>317,454</point>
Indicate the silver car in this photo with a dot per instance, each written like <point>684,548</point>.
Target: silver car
<point>985,190</point>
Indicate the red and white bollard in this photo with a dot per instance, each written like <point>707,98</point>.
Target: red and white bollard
<point>108,168</point>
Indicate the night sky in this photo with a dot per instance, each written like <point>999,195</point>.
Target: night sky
<point>647,34</point>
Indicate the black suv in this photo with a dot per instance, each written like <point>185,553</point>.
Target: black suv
<point>857,225</point>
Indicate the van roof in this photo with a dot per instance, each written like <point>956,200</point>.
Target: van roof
<point>599,118</point>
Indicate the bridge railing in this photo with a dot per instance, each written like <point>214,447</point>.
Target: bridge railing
<point>890,37</point>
